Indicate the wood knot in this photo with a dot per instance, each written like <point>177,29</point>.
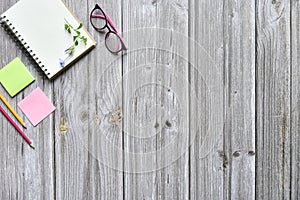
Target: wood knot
<point>224,158</point>
<point>251,153</point>
<point>236,154</point>
<point>154,2</point>
<point>168,124</point>
<point>63,126</point>
<point>116,116</point>
<point>84,116</point>
<point>97,120</point>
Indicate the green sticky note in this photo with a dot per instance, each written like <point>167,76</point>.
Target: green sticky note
<point>15,77</point>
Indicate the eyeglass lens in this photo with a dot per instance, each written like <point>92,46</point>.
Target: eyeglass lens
<point>113,42</point>
<point>98,19</point>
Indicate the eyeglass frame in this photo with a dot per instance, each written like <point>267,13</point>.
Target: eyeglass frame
<point>111,24</point>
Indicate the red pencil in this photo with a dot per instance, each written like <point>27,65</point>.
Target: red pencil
<point>16,127</point>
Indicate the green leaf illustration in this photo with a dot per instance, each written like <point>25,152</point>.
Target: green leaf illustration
<point>76,36</point>
<point>79,27</point>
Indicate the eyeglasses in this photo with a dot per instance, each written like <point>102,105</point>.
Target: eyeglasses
<point>113,40</point>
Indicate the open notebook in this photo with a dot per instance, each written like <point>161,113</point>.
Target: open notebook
<point>39,26</point>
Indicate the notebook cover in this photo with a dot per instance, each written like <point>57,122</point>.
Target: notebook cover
<point>40,27</point>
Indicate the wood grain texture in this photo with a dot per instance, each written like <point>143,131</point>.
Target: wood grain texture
<point>208,160</point>
<point>221,77</point>
<point>72,160</point>
<point>70,157</point>
<point>155,102</point>
<point>295,99</point>
<point>239,91</point>
<point>273,95</point>
<point>81,172</point>
<point>105,98</point>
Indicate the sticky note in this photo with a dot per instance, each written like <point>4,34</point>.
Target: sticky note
<point>15,77</point>
<point>36,106</point>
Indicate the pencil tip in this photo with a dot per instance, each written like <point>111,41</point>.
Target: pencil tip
<point>31,145</point>
<point>24,126</point>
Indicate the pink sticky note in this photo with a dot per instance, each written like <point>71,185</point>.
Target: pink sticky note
<point>36,106</point>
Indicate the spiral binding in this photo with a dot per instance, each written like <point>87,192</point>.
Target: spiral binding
<point>18,38</point>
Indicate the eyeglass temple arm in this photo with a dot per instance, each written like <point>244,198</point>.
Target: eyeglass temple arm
<point>109,21</point>
<point>97,16</point>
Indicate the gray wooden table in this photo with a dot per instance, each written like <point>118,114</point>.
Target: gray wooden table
<point>204,105</point>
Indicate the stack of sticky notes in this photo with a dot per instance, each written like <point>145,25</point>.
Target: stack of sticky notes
<point>15,77</point>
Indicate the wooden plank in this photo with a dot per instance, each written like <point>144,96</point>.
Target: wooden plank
<point>295,98</point>
<point>172,73</point>
<point>11,144</point>
<point>273,100</point>
<point>39,165</point>
<point>70,157</point>
<point>80,172</point>
<point>105,99</point>
<point>155,102</point>
<point>208,160</point>
<point>239,73</point>
<point>26,173</point>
